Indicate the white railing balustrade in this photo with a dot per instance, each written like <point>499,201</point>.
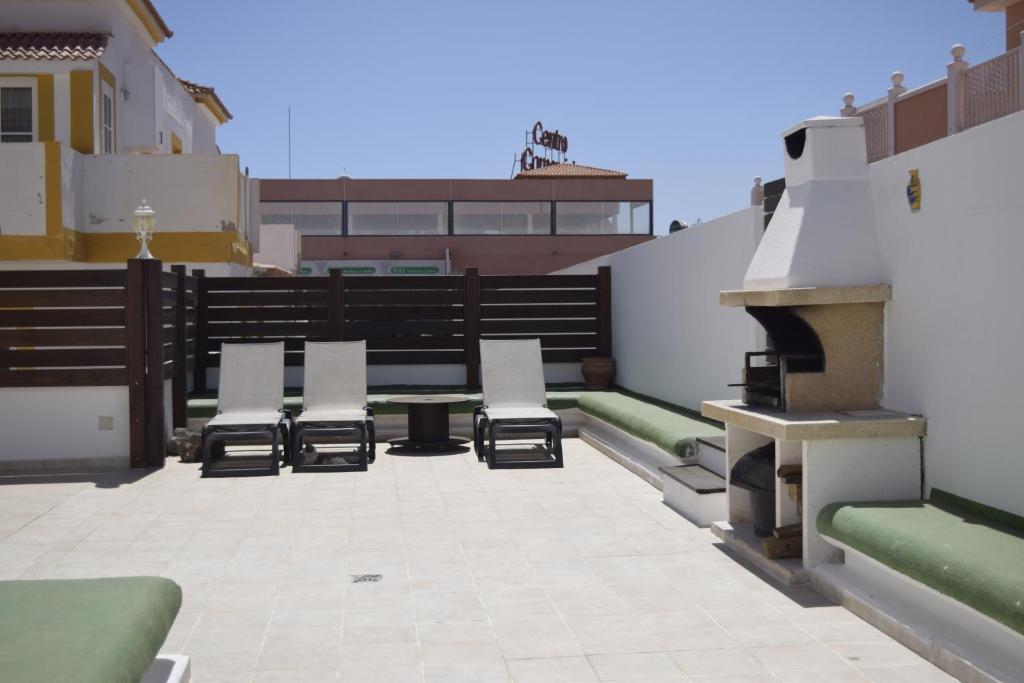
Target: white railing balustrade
<point>974,95</point>
<point>876,130</point>
<point>990,90</point>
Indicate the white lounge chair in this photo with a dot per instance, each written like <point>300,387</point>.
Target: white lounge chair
<point>514,402</point>
<point>250,404</point>
<point>334,403</point>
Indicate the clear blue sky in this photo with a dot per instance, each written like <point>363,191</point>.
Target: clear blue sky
<point>690,93</point>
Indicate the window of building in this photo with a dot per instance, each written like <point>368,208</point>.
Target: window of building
<point>603,218</point>
<point>502,218</point>
<point>17,122</point>
<point>308,218</point>
<point>397,218</point>
<point>108,119</point>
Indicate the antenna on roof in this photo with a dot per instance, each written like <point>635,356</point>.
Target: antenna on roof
<point>289,142</point>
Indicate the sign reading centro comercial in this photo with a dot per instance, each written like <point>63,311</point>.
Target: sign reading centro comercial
<point>367,267</point>
<point>552,140</point>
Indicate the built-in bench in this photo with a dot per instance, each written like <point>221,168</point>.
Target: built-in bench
<point>85,630</point>
<point>963,554</point>
<point>672,429</point>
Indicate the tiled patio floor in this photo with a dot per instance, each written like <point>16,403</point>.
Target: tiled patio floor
<point>578,574</point>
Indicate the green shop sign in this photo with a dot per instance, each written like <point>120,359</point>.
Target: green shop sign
<point>415,270</point>
<point>358,270</point>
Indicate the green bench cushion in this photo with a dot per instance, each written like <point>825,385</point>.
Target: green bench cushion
<point>84,630</point>
<point>673,430</point>
<point>956,550</point>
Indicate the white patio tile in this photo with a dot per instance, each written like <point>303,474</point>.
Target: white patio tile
<point>486,575</point>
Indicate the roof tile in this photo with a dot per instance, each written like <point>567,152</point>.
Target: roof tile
<point>570,171</point>
<point>52,46</point>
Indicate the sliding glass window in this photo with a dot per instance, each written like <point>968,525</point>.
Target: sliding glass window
<point>397,218</point>
<point>603,218</point>
<point>308,218</point>
<point>502,218</point>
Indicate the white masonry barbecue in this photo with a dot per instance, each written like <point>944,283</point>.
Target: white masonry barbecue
<point>817,286</point>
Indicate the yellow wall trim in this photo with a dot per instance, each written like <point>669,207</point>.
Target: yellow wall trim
<point>108,77</point>
<point>83,106</point>
<point>31,248</point>
<point>153,22</point>
<point>204,247</point>
<point>44,94</point>
<point>54,198</point>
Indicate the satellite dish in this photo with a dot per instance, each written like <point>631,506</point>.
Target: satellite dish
<point>677,226</point>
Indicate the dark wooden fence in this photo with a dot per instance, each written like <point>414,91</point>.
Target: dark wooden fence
<point>140,326</point>
<point>405,320</point>
<point>89,328</point>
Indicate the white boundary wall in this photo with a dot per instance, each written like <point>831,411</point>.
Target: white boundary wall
<point>670,337</point>
<point>955,327</point>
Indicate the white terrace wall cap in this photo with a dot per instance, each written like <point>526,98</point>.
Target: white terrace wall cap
<point>824,122</point>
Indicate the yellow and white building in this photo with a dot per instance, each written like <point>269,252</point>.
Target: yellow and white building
<point>92,121</point>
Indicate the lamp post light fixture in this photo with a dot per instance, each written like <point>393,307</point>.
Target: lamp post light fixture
<point>144,224</point>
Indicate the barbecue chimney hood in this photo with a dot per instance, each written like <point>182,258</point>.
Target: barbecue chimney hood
<point>823,231</point>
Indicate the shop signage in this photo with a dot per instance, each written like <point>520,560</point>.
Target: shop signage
<point>552,140</point>
<point>370,267</point>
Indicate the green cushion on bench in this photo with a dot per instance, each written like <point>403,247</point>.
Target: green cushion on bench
<point>672,430</point>
<point>949,548</point>
<point>84,630</point>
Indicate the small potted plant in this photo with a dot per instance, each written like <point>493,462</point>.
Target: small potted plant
<point>598,372</point>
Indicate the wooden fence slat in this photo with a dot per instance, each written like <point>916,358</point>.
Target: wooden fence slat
<point>316,329</point>
<point>538,296</point>
<point>354,313</point>
<point>228,284</point>
<point>361,329</point>
<point>78,377</point>
<point>432,297</point>
<point>537,326</point>
<point>69,337</point>
<point>71,317</point>
<point>61,298</point>
<point>538,311</point>
<point>537,281</point>
<point>301,298</point>
<point>411,282</point>
<point>61,278</point>
<point>415,357</point>
<point>60,358</point>
<point>274,314</point>
<point>555,341</point>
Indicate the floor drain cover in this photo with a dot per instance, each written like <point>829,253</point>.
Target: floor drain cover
<point>366,578</point>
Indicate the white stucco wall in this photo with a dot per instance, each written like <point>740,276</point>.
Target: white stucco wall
<point>48,424</point>
<point>23,188</point>
<point>670,338</point>
<point>188,192</point>
<point>955,326</point>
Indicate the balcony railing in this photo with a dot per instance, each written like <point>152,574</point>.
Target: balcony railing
<point>969,96</point>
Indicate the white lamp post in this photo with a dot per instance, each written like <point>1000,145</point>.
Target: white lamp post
<point>144,224</point>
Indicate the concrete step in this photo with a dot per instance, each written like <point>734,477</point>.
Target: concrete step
<point>694,492</point>
<point>711,454</point>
